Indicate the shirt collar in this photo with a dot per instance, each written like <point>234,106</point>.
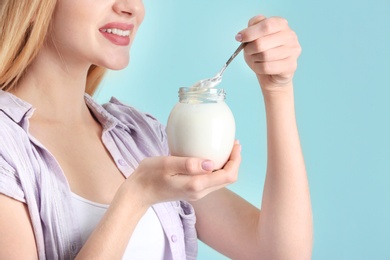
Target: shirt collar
<point>19,110</point>
<point>107,120</point>
<point>14,107</point>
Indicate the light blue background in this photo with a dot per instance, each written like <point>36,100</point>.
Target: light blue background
<point>342,102</point>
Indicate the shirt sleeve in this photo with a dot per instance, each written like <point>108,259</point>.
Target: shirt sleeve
<point>9,182</point>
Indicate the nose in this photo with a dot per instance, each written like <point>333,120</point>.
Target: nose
<point>130,8</point>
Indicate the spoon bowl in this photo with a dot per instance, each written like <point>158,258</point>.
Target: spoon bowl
<point>214,81</point>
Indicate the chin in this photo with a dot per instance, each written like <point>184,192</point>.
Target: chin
<point>114,61</point>
<point>118,64</point>
<point>117,67</point>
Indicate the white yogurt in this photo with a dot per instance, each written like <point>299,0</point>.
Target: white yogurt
<point>201,125</point>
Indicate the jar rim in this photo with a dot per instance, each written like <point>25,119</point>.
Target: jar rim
<point>200,90</point>
<point>201,95</point>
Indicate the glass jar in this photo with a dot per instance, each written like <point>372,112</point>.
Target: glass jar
<point>201,125</point>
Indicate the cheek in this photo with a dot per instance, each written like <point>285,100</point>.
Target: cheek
<point>69,39</point>
<point>69,19</point>
<point>141,17</point>
<point>73,33</point>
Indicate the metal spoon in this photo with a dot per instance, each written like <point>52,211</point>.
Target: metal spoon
<point>212,82</point>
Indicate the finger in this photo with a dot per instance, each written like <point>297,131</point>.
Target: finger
<point>235,159</point>
<point>200,185</point>
<point>195,187</point>
<point>219,178</point>
<point>186,165</point>
<point>264,27</point>
<point>256,19</point>
<point>229,173</point>
<point>278,53</point>
<point>283,38</point>
<point>278,67</point>
<point>251,22</point>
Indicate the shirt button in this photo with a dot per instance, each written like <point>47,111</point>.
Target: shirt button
<point>173,238</point>
<point>74,249</point>
<point>122,162</point>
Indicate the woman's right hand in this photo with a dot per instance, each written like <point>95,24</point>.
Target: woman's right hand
<point>171,178</point>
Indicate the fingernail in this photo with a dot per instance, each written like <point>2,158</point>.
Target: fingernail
<point>239,37</point>
<point>208,165</point>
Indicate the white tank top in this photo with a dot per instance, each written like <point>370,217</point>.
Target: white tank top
<point>147,242</point>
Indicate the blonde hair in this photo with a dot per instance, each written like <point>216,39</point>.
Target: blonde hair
<point>24,25</point>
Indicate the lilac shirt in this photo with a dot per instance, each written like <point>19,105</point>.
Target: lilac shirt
<point>29,173</point>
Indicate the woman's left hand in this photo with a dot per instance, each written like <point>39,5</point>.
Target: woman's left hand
<point>272,51</point>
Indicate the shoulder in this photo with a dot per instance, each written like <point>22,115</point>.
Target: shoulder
<point>15,145</point>
<point>12,133</point>
<point>10,152</point>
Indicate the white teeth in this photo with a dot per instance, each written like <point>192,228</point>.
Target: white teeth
<point>117,32</point>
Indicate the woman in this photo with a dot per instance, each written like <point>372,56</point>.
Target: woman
<point>64,158</point>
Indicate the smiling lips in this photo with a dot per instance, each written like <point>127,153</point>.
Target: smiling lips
<point>117,33</point>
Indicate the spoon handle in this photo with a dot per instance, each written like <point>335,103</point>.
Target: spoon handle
<point>242,46</point>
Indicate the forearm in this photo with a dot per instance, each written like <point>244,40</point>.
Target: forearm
<point>285,226</point>
<point>110,238</point>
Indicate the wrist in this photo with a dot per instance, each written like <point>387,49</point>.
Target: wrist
<point>275,93</point>
<point>131,193</point>
<point>271,89</point>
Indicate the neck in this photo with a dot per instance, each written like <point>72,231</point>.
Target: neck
<point>55,89</point>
